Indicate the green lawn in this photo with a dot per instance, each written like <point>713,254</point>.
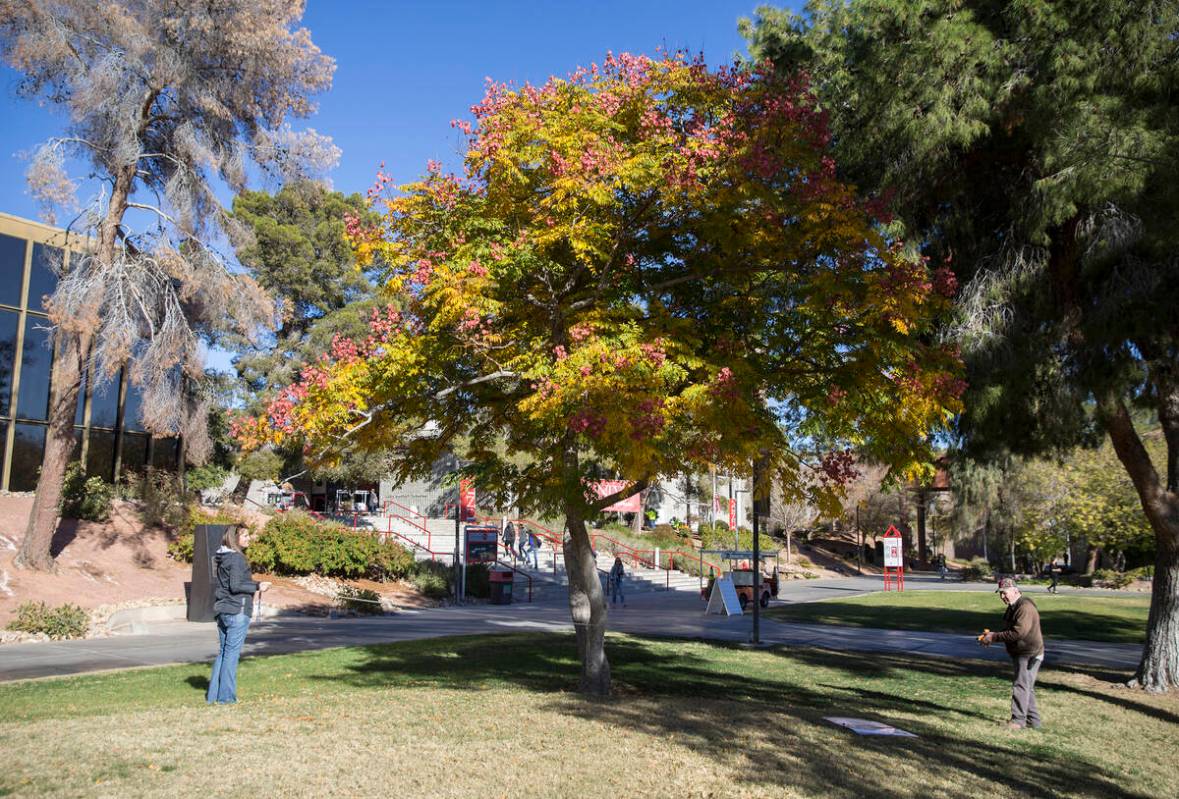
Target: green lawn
<point>494,716</point>
<point>1118,619</point>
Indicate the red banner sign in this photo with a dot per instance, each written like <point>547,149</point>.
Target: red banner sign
<point>732,514</point>
<point>632,504</point>
<point>466,499</point>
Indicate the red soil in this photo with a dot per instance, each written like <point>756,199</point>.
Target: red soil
<point>119,561</point>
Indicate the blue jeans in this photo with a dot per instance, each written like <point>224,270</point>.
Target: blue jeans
<point>616,591</point>
<point>231,635</point>
<point>530,554</point>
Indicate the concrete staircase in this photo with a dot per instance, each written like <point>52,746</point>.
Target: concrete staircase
<point>434,538</point>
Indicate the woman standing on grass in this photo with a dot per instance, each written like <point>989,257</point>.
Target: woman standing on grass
<point>233,602</point>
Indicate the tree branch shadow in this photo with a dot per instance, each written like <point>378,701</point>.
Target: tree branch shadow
<point>764,727</point>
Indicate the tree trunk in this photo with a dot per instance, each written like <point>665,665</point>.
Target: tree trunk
<point>36,549</point>
<point>1093,555</point>
<point>587,604</point>
<point>1159,667</point>
<point>72,349</point>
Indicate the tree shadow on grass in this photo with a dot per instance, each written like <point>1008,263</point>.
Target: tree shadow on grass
<point>767,725</point>
<point>1058,623</point>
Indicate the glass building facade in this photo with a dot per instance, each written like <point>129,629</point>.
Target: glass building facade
<point>108,433</point>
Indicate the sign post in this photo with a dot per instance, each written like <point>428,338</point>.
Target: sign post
<point>894,559</point>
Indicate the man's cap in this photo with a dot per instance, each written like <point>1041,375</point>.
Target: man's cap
<point>1006,583</point>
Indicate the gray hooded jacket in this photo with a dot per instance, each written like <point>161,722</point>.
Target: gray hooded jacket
<point>234,592</point>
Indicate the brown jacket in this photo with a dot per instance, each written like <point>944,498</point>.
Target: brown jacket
<point>1021,632</point>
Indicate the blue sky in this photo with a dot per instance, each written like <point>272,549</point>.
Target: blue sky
<point>405,68</point>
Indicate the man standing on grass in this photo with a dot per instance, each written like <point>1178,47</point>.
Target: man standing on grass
<point>1025,644</point>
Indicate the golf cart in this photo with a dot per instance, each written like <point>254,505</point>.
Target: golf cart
<point>738,567</point>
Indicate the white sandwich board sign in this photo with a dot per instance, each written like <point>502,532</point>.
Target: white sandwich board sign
<point>724,598</point>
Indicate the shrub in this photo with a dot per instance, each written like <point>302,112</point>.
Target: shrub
<point>261,465</point>
<point>805,563</point>
<point>978,569</point>
<point>478,580</point>
<point>180,548</point>
<point>1112,579</point>
<point>360,600</point>
<point>64,621</point>
<point>158,496</point>
<point>205,477</point>
<point>85,498</point>
<point>431,578</point>
<point>296,543</point>
<point>722,538</point>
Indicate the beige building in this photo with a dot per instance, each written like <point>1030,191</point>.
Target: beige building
<point>109,434</point>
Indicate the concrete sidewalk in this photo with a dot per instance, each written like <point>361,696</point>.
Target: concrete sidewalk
<point>678,614</point>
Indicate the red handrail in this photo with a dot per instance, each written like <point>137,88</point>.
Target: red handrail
<point>388,502</point>
<point>433,555</point>
<point>518,571</point>
<point>429,535</point>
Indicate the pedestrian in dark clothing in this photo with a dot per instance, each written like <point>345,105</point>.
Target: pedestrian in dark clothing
<point>510,539</point>
<point>1054,575</point>
<point>1025,644</point>
<point>233,603</point>
<point>617,574</point>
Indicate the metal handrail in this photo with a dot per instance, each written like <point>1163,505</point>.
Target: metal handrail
<point>433,555</point>
<point>388,502</point>
<point>518,571</point>
<point>429,533</point>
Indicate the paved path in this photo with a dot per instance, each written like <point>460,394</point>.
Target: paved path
<point>676,614</point>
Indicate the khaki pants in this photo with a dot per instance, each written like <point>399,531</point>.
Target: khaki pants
<point>1023,690</point>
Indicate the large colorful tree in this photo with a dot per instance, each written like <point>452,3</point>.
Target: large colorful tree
<point>646,267</point>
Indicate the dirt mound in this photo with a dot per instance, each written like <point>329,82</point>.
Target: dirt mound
<point>119,561</point>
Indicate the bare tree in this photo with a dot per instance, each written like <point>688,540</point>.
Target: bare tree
<point>164,98</point>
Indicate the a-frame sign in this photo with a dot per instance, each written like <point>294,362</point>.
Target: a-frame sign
<point>894,559</point>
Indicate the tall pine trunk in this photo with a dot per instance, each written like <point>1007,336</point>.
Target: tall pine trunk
<point>36,548</point>
<point>73,350</point>
<point>587,604</point>
<point>1159,667</point>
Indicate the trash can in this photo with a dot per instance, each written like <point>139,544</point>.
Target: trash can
<point>501,586</point>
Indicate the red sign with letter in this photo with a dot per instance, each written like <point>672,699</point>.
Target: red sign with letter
<point>732,514</point>
<point>632,504</point>
<point>466,499</point>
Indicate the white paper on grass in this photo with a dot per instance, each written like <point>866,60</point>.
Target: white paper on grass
<point>865,727</point>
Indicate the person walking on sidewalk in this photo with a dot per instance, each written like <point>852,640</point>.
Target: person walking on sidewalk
<point>233,602</point>
<point>1025,644</point>
<point>1054,575</point>
<point>617,573</point>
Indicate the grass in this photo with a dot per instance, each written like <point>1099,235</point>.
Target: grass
<point>494,716</point>
<point>1067,616</point>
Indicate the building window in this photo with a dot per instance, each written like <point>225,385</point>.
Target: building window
<point>80,415</point>
<point>47,263</point>
<point>27,449</point>
<point>35,366</point>
<point>164,452</point>
<point>12,270</point>
<point>3,443</point>
<point>8,325</point>
<point>134,452</point>
<point>133,408</point>
<point>104,402</point>
<point>100,455</point>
